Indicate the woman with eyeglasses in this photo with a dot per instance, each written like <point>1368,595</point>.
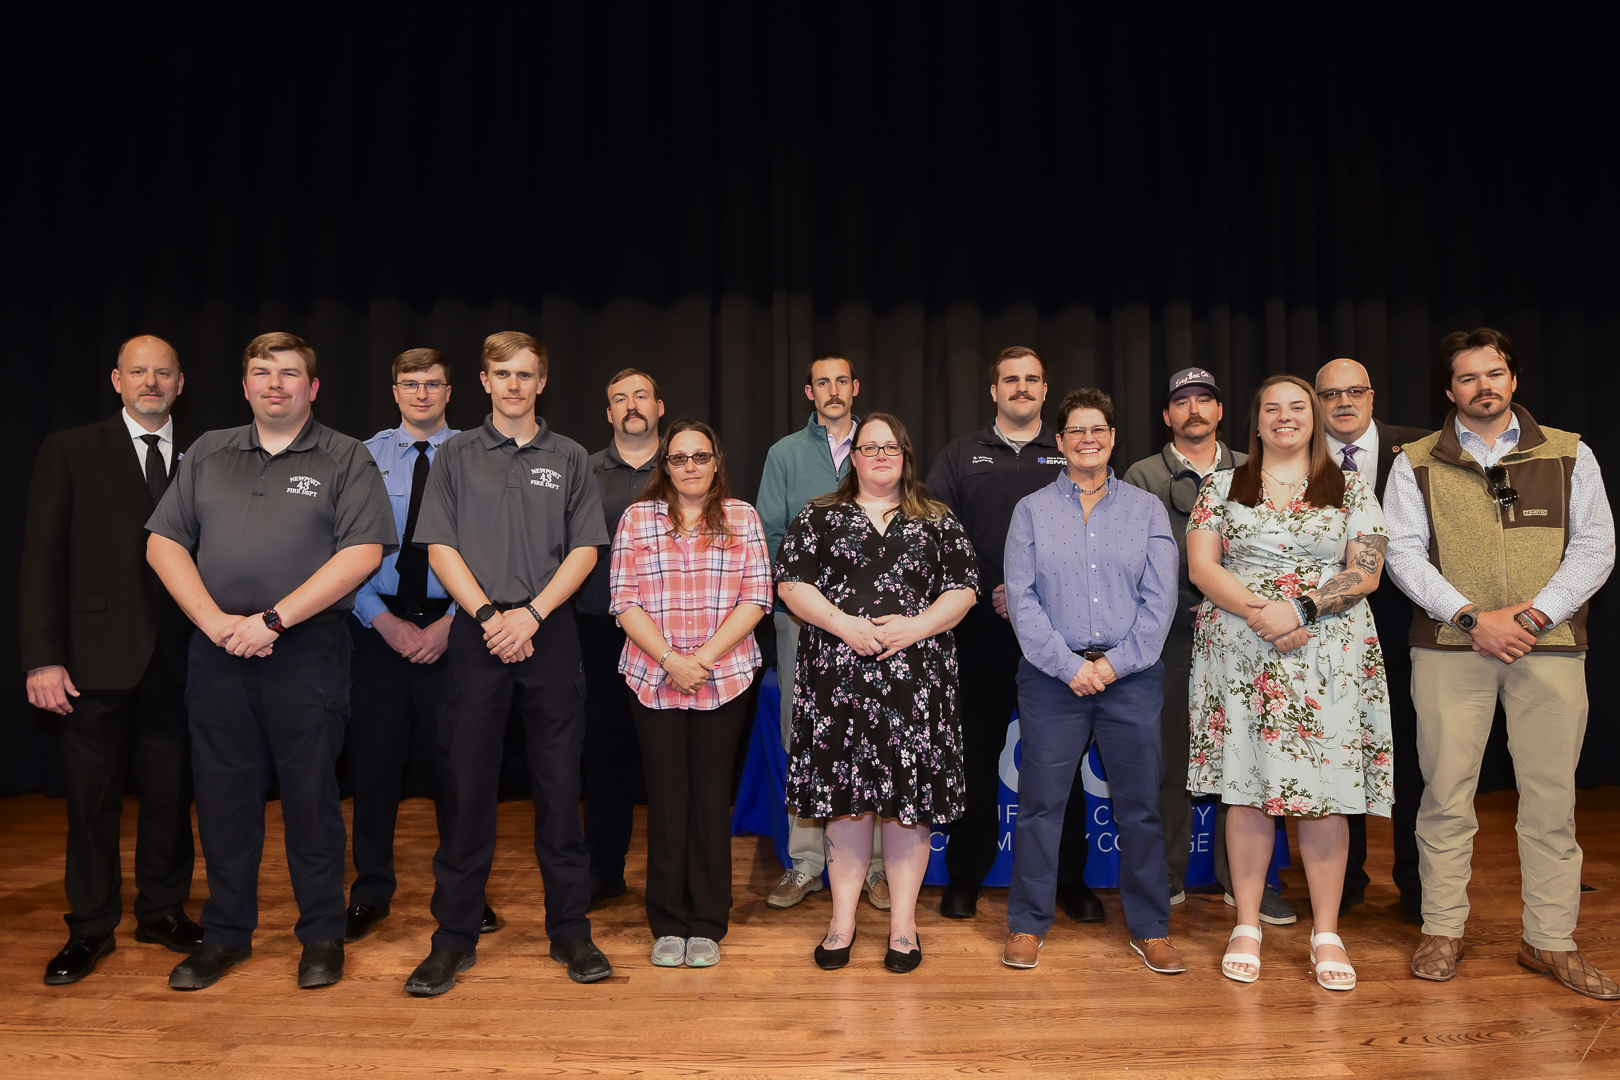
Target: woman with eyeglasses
<point>880,573</point>
<point>1289,707</point>
<point>690,578</point>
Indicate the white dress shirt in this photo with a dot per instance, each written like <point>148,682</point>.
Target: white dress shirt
<point>1588,556</point>
<point>165,436</point>
<point>1366,445</point>
<point>840,447</point>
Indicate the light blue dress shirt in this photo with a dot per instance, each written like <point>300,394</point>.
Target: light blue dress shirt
<point>395,453</point>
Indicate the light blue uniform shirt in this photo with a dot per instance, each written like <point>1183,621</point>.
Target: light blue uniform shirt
<point>395,453</point>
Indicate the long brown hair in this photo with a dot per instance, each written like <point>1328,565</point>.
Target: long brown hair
<point>915,502</point>
<point>662,487</point>
<point>1327,479</point>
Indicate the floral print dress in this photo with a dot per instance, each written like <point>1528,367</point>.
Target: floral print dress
<point>1305,733</point>
<point>872,734</point>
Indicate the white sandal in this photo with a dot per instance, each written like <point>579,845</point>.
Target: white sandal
<point>1235,973</point>
<point>1318,967</point>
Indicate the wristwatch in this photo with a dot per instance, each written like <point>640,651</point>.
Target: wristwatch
<point>273,621</point>
<point>1466,621</point>
<point>486,613</point>
<point>1310,607</point>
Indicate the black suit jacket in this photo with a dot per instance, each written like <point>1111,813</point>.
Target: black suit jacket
<point>88,599</point>
<point>1392,611</point>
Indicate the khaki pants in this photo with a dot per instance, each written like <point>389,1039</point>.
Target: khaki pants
<point>807,837</point>
<point>1544,696</point>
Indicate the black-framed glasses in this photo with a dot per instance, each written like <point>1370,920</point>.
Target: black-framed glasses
<point>1184,491</point>
<point>1099,433</point>
<point>1354,393</point>
<point>1497,477</point>
<point>433,386</point>
<point>678,461</point>
<point>888,449</point>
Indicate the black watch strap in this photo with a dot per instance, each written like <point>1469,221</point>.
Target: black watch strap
<point>529,607</point>
<point>486,613</point>
<point>1310,607</point>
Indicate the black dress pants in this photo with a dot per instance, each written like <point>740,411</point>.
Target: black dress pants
<point>689,815</point>
<point>987,656</point>
<point>252,717</point>
<point>612,757</point>
<point>389,695</point>
<point>548,690</point>
<point>98,737</point>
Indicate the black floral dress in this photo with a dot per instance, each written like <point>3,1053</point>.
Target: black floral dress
<point>869,734</point>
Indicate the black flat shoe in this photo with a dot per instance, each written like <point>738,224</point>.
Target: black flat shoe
<point>902,962</point>
<point>177,933</point>
<point>833,959</point>
<point>959,901</point>
<point>438,972</point>
<point>77,959</point>
<point>360,919</point>
<point>585,961</point>
<point>205,965</point>
<point>1350,900</point>
<point>321,964</point>
<point>603,891</point>
<point>487,924</point>
<point>1079,902</point>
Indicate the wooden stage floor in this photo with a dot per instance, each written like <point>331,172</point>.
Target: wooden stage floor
<point>1090,1009</point>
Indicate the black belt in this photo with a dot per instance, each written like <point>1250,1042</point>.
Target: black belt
<point>434,605</point>
<point>1093,655</point>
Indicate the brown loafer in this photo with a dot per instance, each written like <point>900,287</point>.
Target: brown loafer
<point>1159,955</point>
<point>877,891</point>
<point>1436,957</point>
<point>1572,969</point>
<point>1022,951</point>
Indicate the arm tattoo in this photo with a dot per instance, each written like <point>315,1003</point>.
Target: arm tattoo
<point>788,586</point>
<point>1366,554</point>
<point>1370,557</point>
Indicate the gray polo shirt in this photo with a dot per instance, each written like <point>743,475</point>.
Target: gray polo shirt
<point>512,512</point>
<point>619,485</point>
<point>260,525</point>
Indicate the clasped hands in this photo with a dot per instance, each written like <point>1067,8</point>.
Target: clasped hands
<point>1498,635</point>
<point>243,635</point>
<point>688,671</point>
<point>507,634</point>
<point>1093,677</point>
<point>418,644</point>
<point>881,637</point>
<point>1277,622</point>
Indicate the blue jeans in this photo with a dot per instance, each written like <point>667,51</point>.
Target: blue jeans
<point>1056,726</point>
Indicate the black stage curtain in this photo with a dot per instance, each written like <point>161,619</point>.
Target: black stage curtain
<point>715,192</point>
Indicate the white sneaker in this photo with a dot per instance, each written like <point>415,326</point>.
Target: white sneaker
<point>702,952</point>
<point>669,952</point>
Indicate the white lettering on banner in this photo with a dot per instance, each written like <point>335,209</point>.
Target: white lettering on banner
<point>1006,843</point>
<point>937,841</point>
<point>1103,815</point>
<point>1203,810</point>
<point>1009,757</point>
<point>1094,784</point>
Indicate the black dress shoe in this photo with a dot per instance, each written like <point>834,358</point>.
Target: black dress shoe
<point>1079,902</point>
<point>902,962</point>
<point>321,964</point>
<point>360,918</point>
<point>1411,906</point>
<point>603,891</point>
<point>176,933</point>
<point>1350,900</point>
<point>205,966</point>
<point>438,972</point>
<point>959,901</point>
<point>585,961</point>
<point>77,959</point>
<point>833,959</point>
<point>487,924</point>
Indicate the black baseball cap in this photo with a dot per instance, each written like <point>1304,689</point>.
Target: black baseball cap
<point>1193,376</point>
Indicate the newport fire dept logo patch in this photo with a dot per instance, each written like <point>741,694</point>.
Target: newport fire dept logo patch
<point>304,484</point>
<point>546,478</point>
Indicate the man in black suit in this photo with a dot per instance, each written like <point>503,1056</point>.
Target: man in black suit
<point>105,648</point>
<point>1357,441</point>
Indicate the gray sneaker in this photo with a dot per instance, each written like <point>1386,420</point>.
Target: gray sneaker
<point>1177,896</point>
<point>1274,910</point>
<point>670,952</point>
<point>702,952</point>
<point>794,886</point>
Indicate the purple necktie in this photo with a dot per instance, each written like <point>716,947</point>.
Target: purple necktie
<point>1350,453</point>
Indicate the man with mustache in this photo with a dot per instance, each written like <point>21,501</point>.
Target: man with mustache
<point>981,476</point>
<point>1192,412</point>
<point>612,776</point>
<point>105,649</point>
<point>1500,532</point>
<point>799,468</point>
<point>1358,443</point>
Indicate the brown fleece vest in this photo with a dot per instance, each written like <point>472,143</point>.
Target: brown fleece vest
<point>1496,556</point>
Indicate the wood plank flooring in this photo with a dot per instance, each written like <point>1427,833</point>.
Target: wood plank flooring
<point>1090,1009</point>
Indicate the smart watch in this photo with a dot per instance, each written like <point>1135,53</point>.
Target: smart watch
<point>273,621</point>
<point>1466,621</point>
<point>486,613</point>
<point>1310,607</point>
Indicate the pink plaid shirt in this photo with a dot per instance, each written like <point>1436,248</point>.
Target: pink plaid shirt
<point>688,589</point>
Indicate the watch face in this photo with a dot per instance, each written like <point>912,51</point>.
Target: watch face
<point>1465,621</point>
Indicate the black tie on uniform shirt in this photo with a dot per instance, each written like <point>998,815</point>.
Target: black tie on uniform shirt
<point>413,561</point>
<point>157,477</point>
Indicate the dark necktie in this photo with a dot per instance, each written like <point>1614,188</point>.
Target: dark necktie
<point>1350,453</point>
<point>157,477</point>
<point>413,561</point>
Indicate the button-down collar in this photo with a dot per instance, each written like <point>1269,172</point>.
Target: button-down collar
<point>1488,455</point>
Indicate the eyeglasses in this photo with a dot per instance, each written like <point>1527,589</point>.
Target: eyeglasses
<point>888,449</point>
<point>413,386</point>
<point>678,461</point>
<point>1098,433</point>
<point>1354,393</point>
<point>1497,476</point>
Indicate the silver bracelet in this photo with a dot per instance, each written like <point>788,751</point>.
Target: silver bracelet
<point>667,651</point>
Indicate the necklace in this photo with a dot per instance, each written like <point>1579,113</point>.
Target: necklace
<point>1094,490</point>
<point>1289,484</point>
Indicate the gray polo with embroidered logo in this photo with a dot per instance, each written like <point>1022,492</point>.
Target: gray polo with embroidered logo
<point>512,512</point>
<point>259,524</point>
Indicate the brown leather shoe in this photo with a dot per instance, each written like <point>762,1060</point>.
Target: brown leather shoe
<point>1022,951</point>
<point>1159,955</point>
<point>1572,969</point>
<point>877,891</point>
<point>1436,957</point>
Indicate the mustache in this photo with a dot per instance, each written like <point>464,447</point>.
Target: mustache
<point>835,401</point>
<point>1023,395</point>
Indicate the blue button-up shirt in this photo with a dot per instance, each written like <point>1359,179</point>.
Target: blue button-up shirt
<point>395,452</point>
<point>1075,585</point>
